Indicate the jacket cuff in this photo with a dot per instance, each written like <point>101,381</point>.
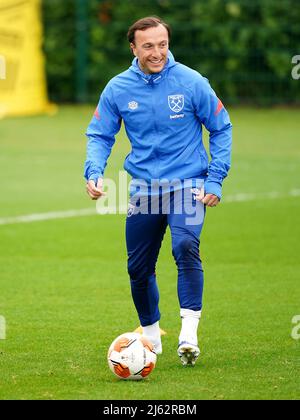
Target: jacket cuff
<point>94,177</point>
<point>213,187</point>
<point>91,172</point>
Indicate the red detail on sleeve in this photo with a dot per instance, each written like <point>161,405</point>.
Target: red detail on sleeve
<point>219,108</point>
<point>96,114</point>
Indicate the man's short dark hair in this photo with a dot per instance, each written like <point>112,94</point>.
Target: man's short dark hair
<point>146,23</point>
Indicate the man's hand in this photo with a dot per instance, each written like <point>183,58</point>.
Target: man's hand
<point>210,200</point>
<point>95,191</point>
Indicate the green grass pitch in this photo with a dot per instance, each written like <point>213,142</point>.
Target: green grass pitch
<point>64,290</point>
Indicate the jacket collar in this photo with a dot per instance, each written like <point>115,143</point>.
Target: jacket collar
<point>153,78</point>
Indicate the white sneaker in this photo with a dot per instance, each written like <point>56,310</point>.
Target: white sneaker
<point>188,353</point>
<point>157,346</point>
<point>152,333</point>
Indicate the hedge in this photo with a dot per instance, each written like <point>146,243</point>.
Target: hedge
<point>244,48</point>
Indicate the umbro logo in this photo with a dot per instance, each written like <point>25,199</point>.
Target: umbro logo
<point>133,105</point>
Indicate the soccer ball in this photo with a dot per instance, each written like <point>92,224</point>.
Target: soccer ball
<point>131,356</point>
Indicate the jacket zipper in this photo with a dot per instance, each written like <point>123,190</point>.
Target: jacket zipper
<point>156,171</point>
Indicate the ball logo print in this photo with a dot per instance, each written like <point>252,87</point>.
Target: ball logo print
<point>2,328</point>
<point>176,102</point>
<point>131,356</point>
<point>296,330</point>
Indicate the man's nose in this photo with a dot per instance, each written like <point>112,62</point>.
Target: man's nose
<point>156,52</point>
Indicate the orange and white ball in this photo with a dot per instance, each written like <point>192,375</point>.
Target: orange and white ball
<point>131,356</point>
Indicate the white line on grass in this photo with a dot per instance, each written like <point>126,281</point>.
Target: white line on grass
<point>92,211</point>
<point>47,216</point>
<point>261,196</point>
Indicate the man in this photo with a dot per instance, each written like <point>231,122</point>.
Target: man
<point>163,105</point>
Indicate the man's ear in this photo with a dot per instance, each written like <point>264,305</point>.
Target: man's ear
<point>132,47</point>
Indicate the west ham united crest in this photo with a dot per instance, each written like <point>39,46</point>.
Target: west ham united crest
<point>176,102</point>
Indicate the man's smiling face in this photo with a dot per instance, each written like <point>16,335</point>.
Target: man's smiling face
<point>151,48</point>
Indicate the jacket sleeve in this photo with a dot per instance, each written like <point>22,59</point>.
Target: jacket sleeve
<point>101,132</point>
<point>215,118</point>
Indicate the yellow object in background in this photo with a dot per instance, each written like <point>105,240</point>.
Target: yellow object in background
<point>2,68</point>
<point>23,88</point>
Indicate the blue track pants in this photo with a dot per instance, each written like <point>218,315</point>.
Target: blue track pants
<point>145,230</point>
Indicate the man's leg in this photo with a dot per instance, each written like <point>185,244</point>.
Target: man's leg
<point>186,228</point>
<point>144,235</point>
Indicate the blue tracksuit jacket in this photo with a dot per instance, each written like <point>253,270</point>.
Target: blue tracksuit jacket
<point>163,115</point>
